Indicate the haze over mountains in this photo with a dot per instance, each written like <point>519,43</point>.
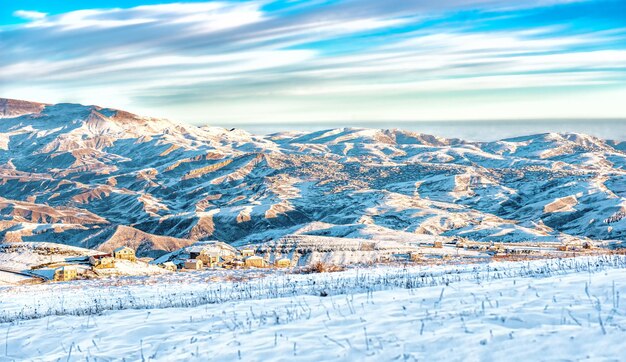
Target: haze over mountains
<point>99,178</point>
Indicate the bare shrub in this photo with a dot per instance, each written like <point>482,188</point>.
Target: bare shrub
<point>321,267</point>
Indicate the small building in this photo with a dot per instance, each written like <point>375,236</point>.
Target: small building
<point>564,247</point>
<point>65,273</point>
<point>168,265</point>
<point>415,256</point>
<point>105,261</point>
<point>124,252</point>
<point>247,253</point>
<point>255,262</point>
<point>193,264</point>
<point>438,244</point>
<point>282,263</point>
<point>210,259</point>
<point>202,248</point>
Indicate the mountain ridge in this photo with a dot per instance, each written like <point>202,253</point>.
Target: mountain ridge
<point>198,183</point>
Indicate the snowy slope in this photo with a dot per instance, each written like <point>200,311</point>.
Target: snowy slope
<point>546,310</point>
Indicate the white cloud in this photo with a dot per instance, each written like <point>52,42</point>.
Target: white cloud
<point>211,16</point>
<point>179,59</point>
<point>491,82</point>
<point>29,14</point>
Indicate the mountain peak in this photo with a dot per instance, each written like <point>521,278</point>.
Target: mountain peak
<point>14,107</point>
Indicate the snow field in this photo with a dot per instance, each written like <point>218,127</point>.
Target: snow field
<point>198,288</point>
<point>572,316</point>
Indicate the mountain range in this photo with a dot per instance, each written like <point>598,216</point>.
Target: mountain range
<point>99,178</point>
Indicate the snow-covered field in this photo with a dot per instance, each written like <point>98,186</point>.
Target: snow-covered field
<point>11,278</point>
<point>542,310</point>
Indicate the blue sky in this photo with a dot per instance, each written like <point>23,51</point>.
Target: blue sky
<point>333,61</point>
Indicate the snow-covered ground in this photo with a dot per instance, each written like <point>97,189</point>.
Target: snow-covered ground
<point>11,278</point>
<point>542,310</point>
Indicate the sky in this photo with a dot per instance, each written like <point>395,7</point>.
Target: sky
<point>297,62</point>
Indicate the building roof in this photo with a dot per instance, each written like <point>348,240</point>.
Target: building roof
<point>123,248</point>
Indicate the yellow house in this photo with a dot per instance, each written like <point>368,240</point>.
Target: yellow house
<point>124,252</point>
<point>209,259</point>
<point>65,273</point>
<point>255,262</point>
<point>564,247</point>
<point>415,255</point>
<point>102,261</point>
<point>247,253</point>
<point>203,249</point>
<point>282,263</point>
<point>438,244</point>
<point>193,264</point>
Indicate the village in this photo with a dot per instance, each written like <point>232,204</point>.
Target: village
<point>204,255</point>
<point>213,255</point>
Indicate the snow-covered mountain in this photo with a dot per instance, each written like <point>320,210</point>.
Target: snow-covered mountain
<point>97,178</point>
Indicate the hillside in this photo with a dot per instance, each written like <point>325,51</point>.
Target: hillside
<point>98,178</point>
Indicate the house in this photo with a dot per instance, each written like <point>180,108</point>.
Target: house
<point>415,256</point>
<point>247,253</point>
<point>438,244</point>
<point>229,256</point>
<point>212,251</point>
<point>124,252</point>
<point>193,264</point>
<point>255,262</point>
<point>209,258</point>
<point>168,265</point>
<point>282,263</point>
<point>65,273</point>
<point>564,247</point>
<point>106,261</point>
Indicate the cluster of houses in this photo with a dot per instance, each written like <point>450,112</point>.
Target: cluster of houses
<point>203,255</point>
<point>215,254</point>
<point>101,261</point>
<point>221,255</point>
<point>107,261</point>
